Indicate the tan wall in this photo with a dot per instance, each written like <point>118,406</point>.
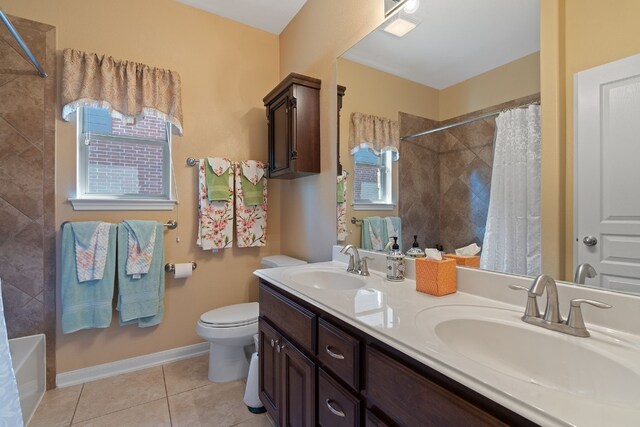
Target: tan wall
<point>514,80</point>
<point>597,32</point>
<point>226,69</point>
<point>322,31</point>
<point>552,99</point>
<point>575,35</point>
<point>375,92</point>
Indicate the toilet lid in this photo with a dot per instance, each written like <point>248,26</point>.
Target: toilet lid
<point>232,315</point>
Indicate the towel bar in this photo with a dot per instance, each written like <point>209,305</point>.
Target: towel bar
<point>170,267</point>
<point>355,220</point>
<point>171,224</point>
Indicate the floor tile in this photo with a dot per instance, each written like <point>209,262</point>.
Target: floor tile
<point>152,414</point>
<point>120,392</point>
<point>217,405</point>
<point>260,420</point>
<point>186,374</point>
<point>57,407</point>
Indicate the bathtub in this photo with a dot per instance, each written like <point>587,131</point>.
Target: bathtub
<point>28,359</point>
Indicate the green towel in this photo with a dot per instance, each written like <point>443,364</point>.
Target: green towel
<point>217,186</point>
<point>340,191</point>
<point>252,193</point>
<point>88,304</point>
<point>141,300</point>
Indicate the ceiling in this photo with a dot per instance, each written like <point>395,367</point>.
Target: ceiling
<point>454,40</point>
<point>268,15</point>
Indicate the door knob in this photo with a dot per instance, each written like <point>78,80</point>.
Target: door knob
<point>590,241</point>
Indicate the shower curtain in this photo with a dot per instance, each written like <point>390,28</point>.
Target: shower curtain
<point>10,413</point>
<point>512,240</point>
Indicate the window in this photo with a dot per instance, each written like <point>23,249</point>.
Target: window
<point>122,166</point>
<point>373,179</point>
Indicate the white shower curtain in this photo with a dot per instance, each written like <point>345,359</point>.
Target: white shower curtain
<point>512,238</point>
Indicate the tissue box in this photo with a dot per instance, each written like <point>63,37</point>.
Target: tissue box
<point>436,277</point>
<point>465,261</point>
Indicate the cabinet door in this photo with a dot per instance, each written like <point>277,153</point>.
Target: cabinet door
<point>269,369</point>
<point>279,135</point>
<point>298,380</point>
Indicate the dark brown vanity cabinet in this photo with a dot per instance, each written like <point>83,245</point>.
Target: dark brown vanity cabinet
<point>293,117</point>
<point>316,370</point>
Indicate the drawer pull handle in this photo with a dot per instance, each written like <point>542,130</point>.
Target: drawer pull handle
<point>332,354</point>
<point>273,343</point>
<point>335,411</point>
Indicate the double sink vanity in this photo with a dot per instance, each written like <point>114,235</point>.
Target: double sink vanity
<point>341,349</point>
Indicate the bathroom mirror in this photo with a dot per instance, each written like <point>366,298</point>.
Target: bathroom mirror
<point>460,60</point>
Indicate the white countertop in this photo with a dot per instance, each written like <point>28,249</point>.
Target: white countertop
<point>389,312</point>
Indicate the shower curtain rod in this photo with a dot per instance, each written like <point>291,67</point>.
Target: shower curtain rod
<point>464,122</point>
<point>22,44</point>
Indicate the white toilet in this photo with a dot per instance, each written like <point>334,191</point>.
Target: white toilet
<point>230,330</point>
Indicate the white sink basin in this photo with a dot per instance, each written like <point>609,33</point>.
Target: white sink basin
<point>590,368</point>
<point>328,279</point>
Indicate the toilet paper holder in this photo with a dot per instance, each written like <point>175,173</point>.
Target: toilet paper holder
<point>170,267</point>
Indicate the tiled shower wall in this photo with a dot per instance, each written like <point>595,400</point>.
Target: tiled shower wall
<point>445,178</point>
<point>27,148</point>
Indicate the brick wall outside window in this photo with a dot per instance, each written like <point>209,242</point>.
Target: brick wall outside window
<point>365,182</point>
<point>118,167</point>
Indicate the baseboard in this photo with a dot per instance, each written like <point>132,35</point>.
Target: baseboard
<point>124,366</point>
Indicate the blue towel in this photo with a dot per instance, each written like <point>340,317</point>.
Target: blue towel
<point>371,234</point>
<point>388,233</point>
<point>141,300</point>
<point>88,304</point>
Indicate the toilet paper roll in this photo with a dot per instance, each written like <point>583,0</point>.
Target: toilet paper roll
<point>183,269</point>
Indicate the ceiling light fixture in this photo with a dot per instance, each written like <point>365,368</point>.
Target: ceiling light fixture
<point>399,27</point>
<point>411,6</point>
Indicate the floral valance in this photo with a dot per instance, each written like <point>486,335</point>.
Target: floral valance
<point>376,133</point>
<point>127,89</point>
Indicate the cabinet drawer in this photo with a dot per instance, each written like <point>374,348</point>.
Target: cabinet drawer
<point>373,421</point>
<point>336,406</point>
<point>340,353</point>
<point>410,399</point>
<point>298,323</point>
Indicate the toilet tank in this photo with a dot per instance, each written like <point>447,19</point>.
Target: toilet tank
<point>272,261</point>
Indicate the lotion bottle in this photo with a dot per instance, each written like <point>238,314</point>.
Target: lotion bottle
<point>395,263</point>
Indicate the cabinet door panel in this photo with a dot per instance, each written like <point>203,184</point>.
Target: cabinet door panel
<point>409,399</point>
<point>298,380</point>
<point>269,370</point>
<point>298,323</point>
<point>280,134</point>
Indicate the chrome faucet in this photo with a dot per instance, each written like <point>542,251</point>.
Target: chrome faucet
<point>552,311</point>
<point>583,272</point>
<point>354,258</point>
<point>357,265</point>
<point>574,325</point>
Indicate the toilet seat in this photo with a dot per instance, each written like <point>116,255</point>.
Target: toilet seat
<point>231,316</point>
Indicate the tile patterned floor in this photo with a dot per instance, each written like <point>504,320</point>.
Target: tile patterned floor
<point>175,394</point>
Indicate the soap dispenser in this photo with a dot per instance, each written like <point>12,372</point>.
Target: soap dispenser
<point>415,251</point>
<point>395,263</point>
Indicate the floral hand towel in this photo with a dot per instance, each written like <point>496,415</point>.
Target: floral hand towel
<point>342,207</point>
<point>251,219</point>
<point>141,242</point>
<point>91,247</point>
<point>215,218</point>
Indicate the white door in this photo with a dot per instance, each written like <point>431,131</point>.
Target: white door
<point>607,173</point>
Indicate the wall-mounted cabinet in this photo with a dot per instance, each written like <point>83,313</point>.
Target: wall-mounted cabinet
<point>293,117</point>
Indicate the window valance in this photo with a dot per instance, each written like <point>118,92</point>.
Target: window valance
<point>376,133</point>
<point>127,89</point>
